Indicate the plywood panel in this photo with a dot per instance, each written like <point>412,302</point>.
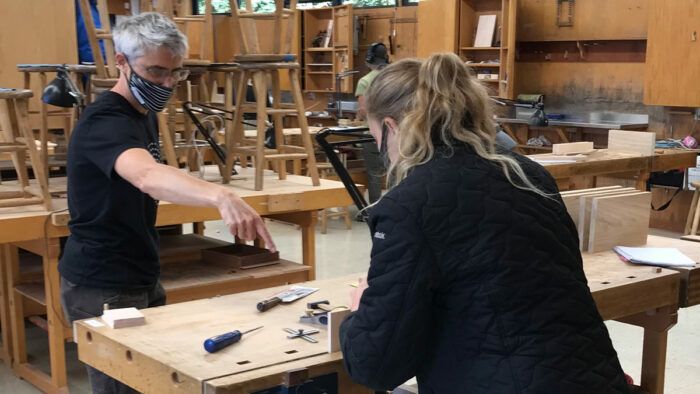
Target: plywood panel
<point>437,27</point>
<point>51,38</point>
<point>593,20</point>
<point>671,48</point>
<point>584,86</point>
<point>585,204</point>
<point>619,220</point>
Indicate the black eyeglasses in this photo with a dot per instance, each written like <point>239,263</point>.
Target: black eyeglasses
<point>160,73</point>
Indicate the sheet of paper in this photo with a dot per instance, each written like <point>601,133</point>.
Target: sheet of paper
<point>662,257</point>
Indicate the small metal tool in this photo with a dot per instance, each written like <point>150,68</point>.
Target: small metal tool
<point>301,333</point>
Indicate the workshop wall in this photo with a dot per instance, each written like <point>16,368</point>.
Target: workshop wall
<point>37,31</point>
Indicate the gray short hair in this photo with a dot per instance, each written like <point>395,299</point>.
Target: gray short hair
<point>148,31</point>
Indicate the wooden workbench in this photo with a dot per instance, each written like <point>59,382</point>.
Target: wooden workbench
<point>166,354</point>
<point>293,200</point>
<point>605,163</point>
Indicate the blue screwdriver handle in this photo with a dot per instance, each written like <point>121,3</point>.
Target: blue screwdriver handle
<point>214,344</point>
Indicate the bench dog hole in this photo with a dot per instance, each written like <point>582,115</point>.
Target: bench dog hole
<point>129,357</point>
<point>88,335</point>
<point>291,351</point>
<point>175,377</point>
<point>243,362</point>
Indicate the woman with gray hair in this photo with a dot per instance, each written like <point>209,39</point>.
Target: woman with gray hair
<point>115,179</point>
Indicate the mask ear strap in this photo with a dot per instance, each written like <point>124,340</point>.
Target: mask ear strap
<point>385,134</point>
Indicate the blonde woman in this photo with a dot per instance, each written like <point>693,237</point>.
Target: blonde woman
<point>476,282</point>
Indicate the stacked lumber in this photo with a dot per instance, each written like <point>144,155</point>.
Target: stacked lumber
<point>609,216</point>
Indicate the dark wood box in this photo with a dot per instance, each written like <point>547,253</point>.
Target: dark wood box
<point>241,256</point>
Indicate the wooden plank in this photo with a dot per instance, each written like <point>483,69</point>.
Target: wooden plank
<point>572,200</point>
<point>619,220</point>
<point>584,212</point>
<point>627,141</point>
<point>572,147</point>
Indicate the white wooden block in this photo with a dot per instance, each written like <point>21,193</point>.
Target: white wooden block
<point>625,141</point>
<point>335,318</point>
<point>485,29</point>
<point>572,147</point>
<point>123,317</point>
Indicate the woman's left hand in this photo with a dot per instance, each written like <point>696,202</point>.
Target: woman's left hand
<point>356,294</point>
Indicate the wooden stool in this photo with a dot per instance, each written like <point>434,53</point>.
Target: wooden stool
<point>693,222</point>
<point>259,66</point>
<point>324,170</point>
<point>17,139</point>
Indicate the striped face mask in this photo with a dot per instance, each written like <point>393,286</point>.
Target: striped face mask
<point>151,96</point>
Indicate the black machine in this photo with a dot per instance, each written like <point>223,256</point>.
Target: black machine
<point>354,135</point>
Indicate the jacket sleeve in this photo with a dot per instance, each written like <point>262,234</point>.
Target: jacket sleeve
<point>386,339</point>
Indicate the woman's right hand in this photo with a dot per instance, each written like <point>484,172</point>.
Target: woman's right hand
<point>356,294</point>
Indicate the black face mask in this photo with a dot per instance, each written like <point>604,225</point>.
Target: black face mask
<point>150,95</point>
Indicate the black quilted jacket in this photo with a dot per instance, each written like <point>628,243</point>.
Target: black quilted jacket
<point>476,286</point>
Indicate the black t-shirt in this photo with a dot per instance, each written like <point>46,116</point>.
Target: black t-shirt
<point>113,241</point>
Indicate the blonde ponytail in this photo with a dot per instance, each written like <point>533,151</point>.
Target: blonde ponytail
<point>438,98</point>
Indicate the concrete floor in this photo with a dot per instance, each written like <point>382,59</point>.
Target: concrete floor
<point>343,252</point>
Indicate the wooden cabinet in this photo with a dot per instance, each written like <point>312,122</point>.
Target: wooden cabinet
<point>327,56</point>
<point>437,27</point>
<point>672,74</point>
<point>493,62</point>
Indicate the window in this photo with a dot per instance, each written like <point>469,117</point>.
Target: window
<point>370,3</point>
<point>222,6</point>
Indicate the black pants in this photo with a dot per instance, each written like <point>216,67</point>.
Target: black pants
<point>81,302</point>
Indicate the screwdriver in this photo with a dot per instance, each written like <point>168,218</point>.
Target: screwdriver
<point>214,344</point>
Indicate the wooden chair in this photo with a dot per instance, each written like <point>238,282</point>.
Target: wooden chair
<point>17,139</point>
<point>693,222</point>
<point>106,68</point>
<point>69,115</point>
<point>257,64</point>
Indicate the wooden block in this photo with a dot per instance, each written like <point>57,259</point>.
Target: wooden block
<point>571,199</point>
<point>572,147</point>
<point>123,317</point>
<point>335,318</point>
<point>625,141</point>
<point>240,256</point>
<point>584,211</point>
<point>619,220</point>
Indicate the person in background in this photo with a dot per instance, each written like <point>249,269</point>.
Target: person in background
<point>377,58</point>
<point>115,179</point>
<point>476,281</point>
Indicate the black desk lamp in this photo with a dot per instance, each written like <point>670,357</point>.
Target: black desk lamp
<point>62,91</point>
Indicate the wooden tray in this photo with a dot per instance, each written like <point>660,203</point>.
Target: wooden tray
<point>241,256</point>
